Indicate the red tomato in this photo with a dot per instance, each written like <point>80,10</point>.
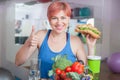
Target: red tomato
<point>82,66</point>
<point>80,71</point>
<point>68,69</point>
<point>58,71</point>
<point>63,75</point>
<point>57,77</point>
<point>75,66</point>
<point>67,79</point>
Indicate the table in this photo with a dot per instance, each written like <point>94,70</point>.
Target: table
<point>106,74</point>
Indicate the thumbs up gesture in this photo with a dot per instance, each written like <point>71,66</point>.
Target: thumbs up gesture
<point>33,39</point>
<point>33,31</point>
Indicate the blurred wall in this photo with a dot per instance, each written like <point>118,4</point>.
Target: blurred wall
<point>0,31</point>
<point>7,38</point>
<point>115,27</point>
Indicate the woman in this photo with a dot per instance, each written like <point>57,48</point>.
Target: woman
<point>56,41</point>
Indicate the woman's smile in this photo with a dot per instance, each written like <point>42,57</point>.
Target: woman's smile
<point>59,27</point>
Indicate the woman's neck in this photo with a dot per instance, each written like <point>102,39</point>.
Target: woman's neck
<point>56,36</point>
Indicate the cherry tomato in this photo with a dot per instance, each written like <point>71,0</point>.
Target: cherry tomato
<point>68,69</point>
<point>57,77</point>
<point>68,79</point>
<point>58,71</point>
<point>63,75</point>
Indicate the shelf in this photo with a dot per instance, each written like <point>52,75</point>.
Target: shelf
<point>81,17</point>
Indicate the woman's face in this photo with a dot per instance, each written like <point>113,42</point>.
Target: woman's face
<point>59,22</point>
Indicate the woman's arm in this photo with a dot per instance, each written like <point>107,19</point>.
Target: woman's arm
<point>81,54</point>
<point>79,50</point>
<point>91,42</point>
<point>24,53</point>
<point>27,49</point>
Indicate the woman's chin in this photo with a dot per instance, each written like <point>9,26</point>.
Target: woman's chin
<point>60,31</point>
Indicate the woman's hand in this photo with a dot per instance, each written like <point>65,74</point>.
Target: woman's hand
<point>90,40</point>
<point>33,39</point>
<point>91,44</point>
<point>27,49</point>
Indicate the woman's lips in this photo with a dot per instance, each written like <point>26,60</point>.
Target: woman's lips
<point>59,27</point>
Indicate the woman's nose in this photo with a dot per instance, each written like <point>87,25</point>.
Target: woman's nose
<point>59,20</point>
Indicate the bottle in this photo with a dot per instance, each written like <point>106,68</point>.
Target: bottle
<point>34,74</point>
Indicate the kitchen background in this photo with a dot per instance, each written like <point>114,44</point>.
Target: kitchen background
<point>106,17</point>
<point>25,18</point>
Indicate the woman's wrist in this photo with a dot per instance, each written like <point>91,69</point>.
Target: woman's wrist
<point>27,42</point>
<point>91,53</point>
<point>91,50</point>
<point>90,45</point>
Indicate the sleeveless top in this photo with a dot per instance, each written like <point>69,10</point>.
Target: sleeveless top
<point>46,55</point>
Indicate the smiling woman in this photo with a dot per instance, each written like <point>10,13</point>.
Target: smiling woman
<point>9,48</point>
<point>59,14</point>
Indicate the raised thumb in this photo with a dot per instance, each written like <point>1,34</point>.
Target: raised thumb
<point>33,30</point>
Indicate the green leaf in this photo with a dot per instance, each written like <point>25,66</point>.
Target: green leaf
<point>50,73</point>
<point>73,75</point>
<point>61,62</point>
<point>87,67</point>
<point>56,58</point>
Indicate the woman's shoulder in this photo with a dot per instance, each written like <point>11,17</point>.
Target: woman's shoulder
<point>75,39</point>
<point>41,35</point>
<point>76,43</point>
<point>41,32</point>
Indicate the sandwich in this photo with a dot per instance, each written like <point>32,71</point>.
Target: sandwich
<point>88,29</point>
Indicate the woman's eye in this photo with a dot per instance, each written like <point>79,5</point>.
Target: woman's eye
<point>63,17</point>
<point>53,18</point>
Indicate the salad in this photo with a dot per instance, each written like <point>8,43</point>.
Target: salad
<point>64,69</point>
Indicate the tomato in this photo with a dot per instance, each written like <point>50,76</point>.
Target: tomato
<point>82,66</point>
<point>63,75</point>
<point>80,71</point>
<point>68,69</point>
<point>57,77</point>
<point>77,67</point>
<point>58,71</point>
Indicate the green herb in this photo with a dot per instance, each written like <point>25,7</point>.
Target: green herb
<point>61,62</point>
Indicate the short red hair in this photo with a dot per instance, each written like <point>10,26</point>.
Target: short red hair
<point>57,6</point>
